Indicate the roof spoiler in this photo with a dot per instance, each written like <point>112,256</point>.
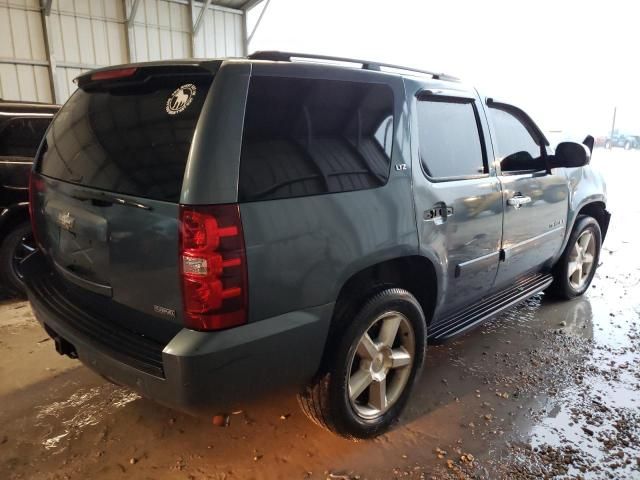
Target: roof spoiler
<point>139,72</point>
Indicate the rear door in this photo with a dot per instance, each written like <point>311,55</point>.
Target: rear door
<point>457,195</point>
<point>535,198</point>
<point>112,169</point>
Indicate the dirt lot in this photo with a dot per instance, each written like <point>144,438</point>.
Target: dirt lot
<point>548,390</point>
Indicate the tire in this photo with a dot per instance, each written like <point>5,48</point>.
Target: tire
<point>12,250</point>
<point>627,146</point>
<point>327,401</point>
<point>607,145</point>
<point>565,286</point>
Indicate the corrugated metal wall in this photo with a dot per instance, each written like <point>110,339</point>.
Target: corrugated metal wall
<point>24,73</point>
<point>85,34</point>
<point>221,34</point>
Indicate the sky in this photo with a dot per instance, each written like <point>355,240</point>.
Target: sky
<point>567,63</point>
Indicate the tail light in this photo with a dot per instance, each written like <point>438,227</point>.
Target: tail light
<point>213,267</point>
<point>36,185</point>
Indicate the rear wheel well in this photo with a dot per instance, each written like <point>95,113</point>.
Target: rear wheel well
<point>414,273</point>
<point>597,210</point>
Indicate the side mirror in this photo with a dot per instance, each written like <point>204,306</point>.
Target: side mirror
<point>521,161</point>
<point>589,142</point>
<point>570,155</point>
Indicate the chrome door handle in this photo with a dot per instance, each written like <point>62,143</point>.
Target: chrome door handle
<point>518,200</point>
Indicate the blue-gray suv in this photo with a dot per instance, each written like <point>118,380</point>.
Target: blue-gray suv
<point>208,230</point>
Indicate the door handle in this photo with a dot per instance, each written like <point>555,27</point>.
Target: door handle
<point>518,200</point>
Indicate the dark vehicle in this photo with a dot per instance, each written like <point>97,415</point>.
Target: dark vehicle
<point>22,127</point>
<point>628,142</point>
<point>209,230</point>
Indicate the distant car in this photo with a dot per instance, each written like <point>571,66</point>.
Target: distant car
<point>22,126</point>
<point>627,142</point>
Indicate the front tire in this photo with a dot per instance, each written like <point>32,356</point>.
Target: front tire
<point>366,384</point>
<point>576,267</point>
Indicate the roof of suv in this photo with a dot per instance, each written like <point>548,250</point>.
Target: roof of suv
<point>213,64</point>
<point>279,56</point>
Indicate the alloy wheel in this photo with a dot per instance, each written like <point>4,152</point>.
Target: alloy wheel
<point>581,260</point>
<point>381,365</point>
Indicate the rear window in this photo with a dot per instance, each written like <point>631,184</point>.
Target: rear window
<point>132,139</point>
<point>309,137</point>
<point>21,136</point>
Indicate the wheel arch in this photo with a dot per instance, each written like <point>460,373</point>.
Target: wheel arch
<point>594,207</point>
<point>597,210</point>
<point>415,273</point>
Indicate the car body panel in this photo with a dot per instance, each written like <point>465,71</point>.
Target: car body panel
<point>466,242</point>
<point>204,373</point>
<point>586,186</point>
<point>310,246</point>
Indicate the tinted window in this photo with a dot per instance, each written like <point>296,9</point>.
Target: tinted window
<point>514,144</point>
<point>309,137</point>
<point>21,136</point>
<point>127,140</point>
<point>449,139</point>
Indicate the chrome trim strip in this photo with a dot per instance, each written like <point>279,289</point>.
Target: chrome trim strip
<point>484,260</point>
<point>517,248</point>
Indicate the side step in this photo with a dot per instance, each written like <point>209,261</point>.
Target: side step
<point>467,318</point>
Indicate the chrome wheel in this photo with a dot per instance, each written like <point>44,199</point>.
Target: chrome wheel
<point>581,260</point>
<point>381,365</point>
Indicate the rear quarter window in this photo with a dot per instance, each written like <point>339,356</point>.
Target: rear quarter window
<point>310,137</point>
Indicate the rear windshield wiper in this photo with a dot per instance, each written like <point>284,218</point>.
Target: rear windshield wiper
<point>109,199</point>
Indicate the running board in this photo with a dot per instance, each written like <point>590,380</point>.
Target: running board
<point>469,317</point>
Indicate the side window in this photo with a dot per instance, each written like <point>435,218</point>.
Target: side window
<point>309,137</point>
<point>21,136</point>
<point>450,144</point>
<point>515,146</point>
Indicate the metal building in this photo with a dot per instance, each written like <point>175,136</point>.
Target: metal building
<point>45,44</point>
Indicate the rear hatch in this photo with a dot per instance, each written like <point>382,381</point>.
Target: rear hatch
<point>109,180</point>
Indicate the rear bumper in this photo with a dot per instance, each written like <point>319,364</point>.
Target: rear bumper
<point>201,373</point>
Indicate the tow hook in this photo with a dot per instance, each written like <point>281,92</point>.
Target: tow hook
<point>64,347</point>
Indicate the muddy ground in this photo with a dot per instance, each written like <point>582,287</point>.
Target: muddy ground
<point>547,390</point>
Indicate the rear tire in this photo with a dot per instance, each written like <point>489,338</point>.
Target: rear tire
<point>366,384</point>
<point>576,267</point>
<point>12,250</point>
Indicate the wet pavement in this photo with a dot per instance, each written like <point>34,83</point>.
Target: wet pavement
<point>547,390</point>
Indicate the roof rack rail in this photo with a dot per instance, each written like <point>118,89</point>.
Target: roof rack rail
<point>279,56</point>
